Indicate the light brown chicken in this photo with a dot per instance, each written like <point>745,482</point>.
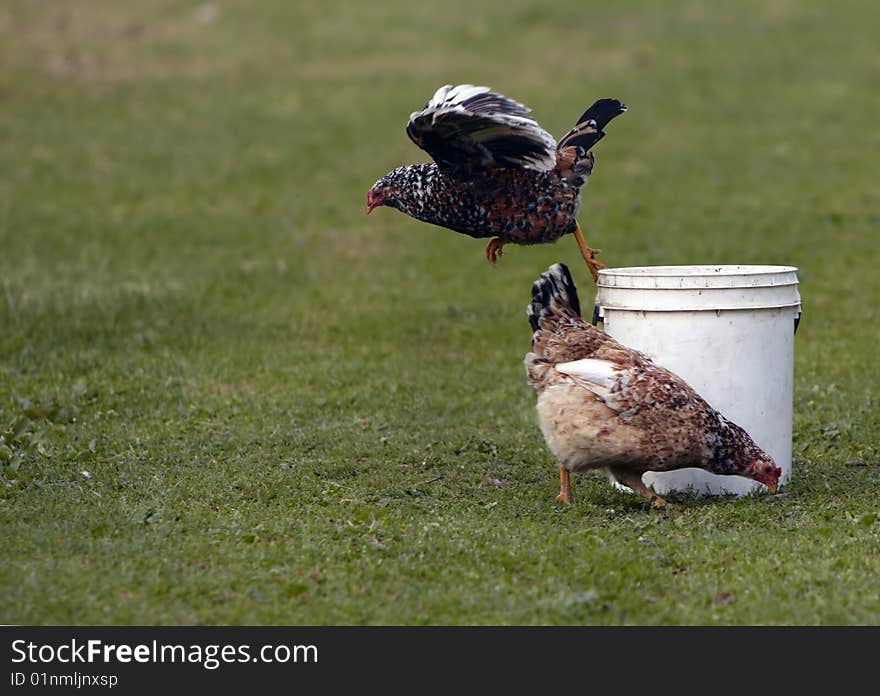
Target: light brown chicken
<point>602,405</point>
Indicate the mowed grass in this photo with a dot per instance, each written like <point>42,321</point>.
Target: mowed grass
<point>227,396</point>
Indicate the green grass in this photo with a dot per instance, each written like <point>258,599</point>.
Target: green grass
<point>290,413</point>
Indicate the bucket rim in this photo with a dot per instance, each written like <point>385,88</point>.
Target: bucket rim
<point>697,271</point>
<point>603,306</point>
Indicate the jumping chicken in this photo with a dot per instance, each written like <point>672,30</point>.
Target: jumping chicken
<point>496,172</point>
<point>602,405</point>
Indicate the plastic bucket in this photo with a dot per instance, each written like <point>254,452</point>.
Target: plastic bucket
<point>729,332</point>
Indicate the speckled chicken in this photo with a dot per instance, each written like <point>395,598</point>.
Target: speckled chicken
<point>602,405</point>
<point>496,172</point>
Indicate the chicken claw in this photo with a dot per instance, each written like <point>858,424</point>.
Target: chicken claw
<point>564,496</point>
<point>494,250</point>
<point>589,254</point>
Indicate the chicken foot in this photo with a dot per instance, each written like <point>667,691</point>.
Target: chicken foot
<point>588,253</point>
<point>564,486</point>
<point>493,250</point>
<point>633,481</point>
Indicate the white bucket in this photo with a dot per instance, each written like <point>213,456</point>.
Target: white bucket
<point>729,332</point>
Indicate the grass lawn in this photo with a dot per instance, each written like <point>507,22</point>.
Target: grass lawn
<point>227,396</point>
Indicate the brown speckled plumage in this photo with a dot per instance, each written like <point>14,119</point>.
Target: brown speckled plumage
<point>603,405</point>
<point>508,203</point>
<point>496,173</point>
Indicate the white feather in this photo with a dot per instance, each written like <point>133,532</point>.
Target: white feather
<point>438,97</point>
<point>600,373</point>
<point>448,95</point>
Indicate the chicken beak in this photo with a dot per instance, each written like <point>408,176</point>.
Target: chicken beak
<point>373,201</point>
<point>772,488</point>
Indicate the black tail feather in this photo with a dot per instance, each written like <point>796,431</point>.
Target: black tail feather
<point>603,111</point>
<point>554,295</point>
<point>587,132</point>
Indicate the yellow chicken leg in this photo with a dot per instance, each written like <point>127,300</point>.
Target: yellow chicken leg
<point>564,487</point>
<point>589,254</point>
<point>633,481</point>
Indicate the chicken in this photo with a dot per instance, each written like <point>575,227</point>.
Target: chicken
<point>602,405</point>
<point>496,173</point>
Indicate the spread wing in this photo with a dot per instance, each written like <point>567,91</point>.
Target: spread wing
<point>472,127</point>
